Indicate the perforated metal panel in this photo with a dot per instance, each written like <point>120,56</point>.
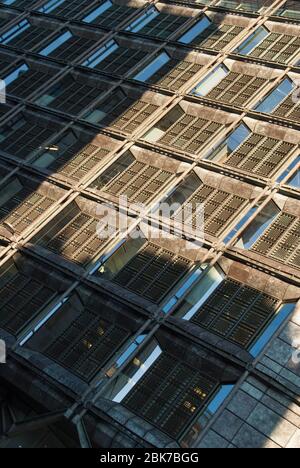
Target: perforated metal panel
<point>76,237</point>
<point>24,208</point>
<point>114,16</point>
<point>281,240</point>
<point>289,108</point>
<point>87,343</point>
<point>163,25</point>
<point>70,8</point>
<point>260,155</point>
<point>29,82</point>
<point>23,136</point>
<point>174,74</point>
<point>30,38</point>
<point>277,47</point>
<point>236,312</point>
<point>189,133</point>
<point>170,394</point>
<point>21,298</point>
<point>125,113</point>
<point>139,182</point>
<point>72,48</point>
<point>153,272</point>
<point>121,61</point>
<point>220,208</point>
<point>217,37</point>
<point>73,95</point>
<point>77,161</point>
<point>237,89</point>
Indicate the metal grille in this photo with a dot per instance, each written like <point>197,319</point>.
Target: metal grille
<point>28,82</point>
<point>170,394</point>
<point>174,74</point>
<point>125,113</point>
<point>153,272</point>
<point>85,345</point>
<point>22,137</point>
<point>30,38</point>
<point>281,240</point>
<point>121,61</point>
<point>217,37</point>
<point>76,237</point>
<point>289,108</point>
<point>114,16</point>
<point>277,48</point>
<point>72,48</point>
<point>236,312</point>
<point>163,25</point>
<point>24,208</point>
<point>139,182</point>
<point>21,298</point>
<point>220,208</point>
<point>70,8</point>
<point>25,4</point>
<point>77,161</point>
<point>189,133</point>
<point>260,155</point>
<point>237,89</point>
<point>72,95</point>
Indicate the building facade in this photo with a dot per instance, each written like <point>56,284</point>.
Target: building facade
<point>117,335</point>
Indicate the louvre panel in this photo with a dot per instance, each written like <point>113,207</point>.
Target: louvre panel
<point>21,298</point>
<point>220,208</point>
<point>189,133</point>
<point>121,61</point>
<point>30,38</point>
<point>217,38</point>
<point>72,49</point>
<point>237,89</point>
<point>288,109</point>
<point>281,240</point>
<point>70,95</point>
<point>24,208</point>
<point>174,74</point>
<point>86,344</point>
<point>77,239</point>
<point>70,8</point>
<point>139,182</point>
<point>153,272</point>
<point>170,394</point>
<point>277,47</point>
<point>24,137</point>
<point>125,113</point>
<point>163,25</point>
<point>236,312</point>
<point>77,161</point>
<point>260,155</point>
<point>28,83</point>
<point>114,16</point>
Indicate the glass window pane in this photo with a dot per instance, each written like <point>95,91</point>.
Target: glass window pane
<point>199,27</point>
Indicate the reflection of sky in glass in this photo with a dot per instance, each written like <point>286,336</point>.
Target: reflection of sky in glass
<point>249,44</point>
<point>276,97</point>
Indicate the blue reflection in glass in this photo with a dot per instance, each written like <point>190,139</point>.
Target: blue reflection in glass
<point>286,172</point>
<point>16,74</point>
<point>249,44</point>
<point>50,6</point>
<point>101,55</point>
<point>153,67</point>
<point>195,31</point>
<point>12,33</point>
<point>56,44</point>
<point>98,12</point>
<point>276,97</point>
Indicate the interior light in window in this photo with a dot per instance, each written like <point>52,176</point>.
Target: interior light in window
<point>97,12</point>
<point>258,226</point>
<point>268,104</point>
<point>284,312</point>
<point>253,41</point>
<point>197,29</point>
<point>211,81</point>
<point>153,67</point>
<point>145,19</point>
